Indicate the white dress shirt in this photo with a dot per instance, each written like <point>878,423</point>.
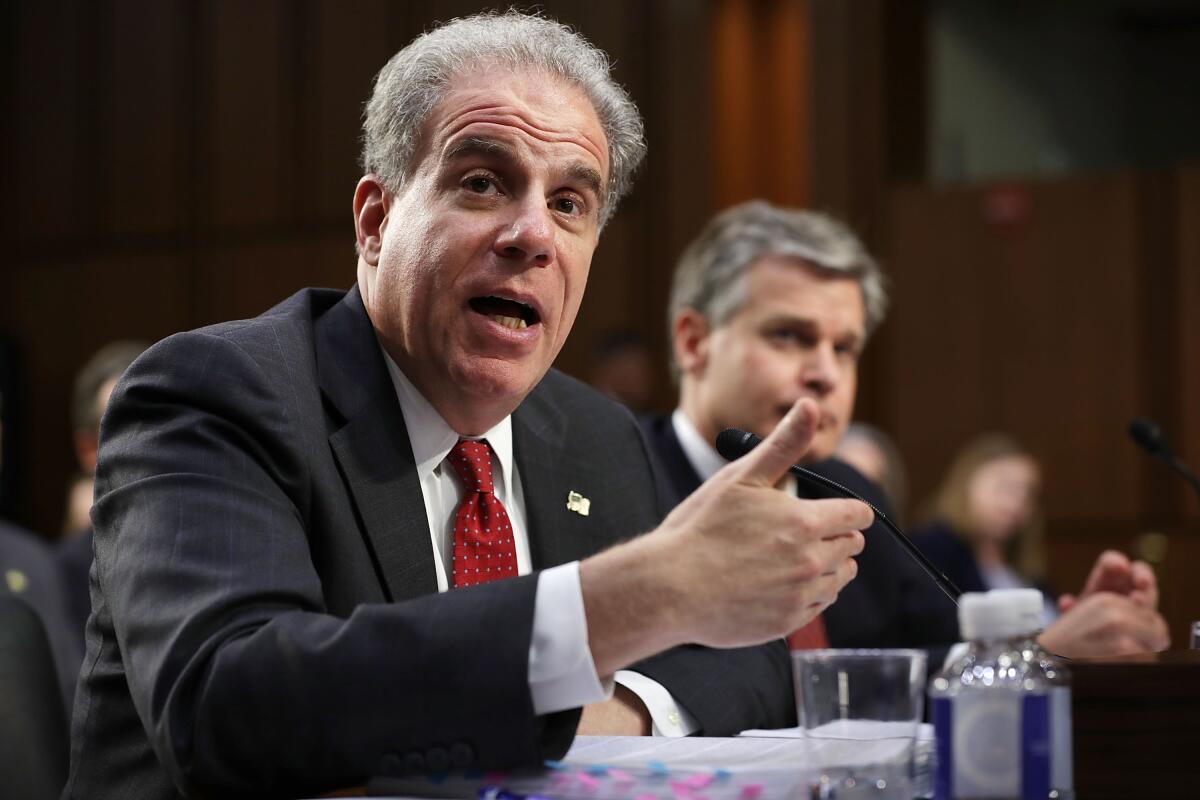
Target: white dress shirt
<point>562,673</point>
<point>703,457</point>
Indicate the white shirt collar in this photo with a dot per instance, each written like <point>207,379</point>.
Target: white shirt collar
<point>432,437</point>
<point>702,455</point>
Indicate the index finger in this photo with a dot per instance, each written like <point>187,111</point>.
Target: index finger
<point>838,516</point>
<point>1110,573</point>
<point>1145,584</point>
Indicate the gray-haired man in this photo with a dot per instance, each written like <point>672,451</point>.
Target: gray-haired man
<point>280,500</point>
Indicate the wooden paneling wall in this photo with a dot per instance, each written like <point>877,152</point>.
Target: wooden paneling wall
<point>1055,312</point>
<point>762,105</point>
<point>172,163</point>
<point>1186,307</point>
<point>1027,325</point>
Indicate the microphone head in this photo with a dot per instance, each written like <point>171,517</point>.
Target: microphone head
<point>733,443</point>
<point>1147,435</point>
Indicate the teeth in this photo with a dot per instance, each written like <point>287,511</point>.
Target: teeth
<point>516,323</point>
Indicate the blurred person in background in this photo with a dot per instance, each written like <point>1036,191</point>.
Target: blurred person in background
<point>769,305</point>
<point>984,526</point>
<point>873,453</point>
<point>28,572</point>
<point>93,385</point>
<point>623,368</point>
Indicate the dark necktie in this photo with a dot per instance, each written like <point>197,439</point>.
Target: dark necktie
<point>483,537</point>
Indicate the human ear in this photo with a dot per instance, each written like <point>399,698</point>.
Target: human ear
<point>689,337</point>
<point>371,205</point>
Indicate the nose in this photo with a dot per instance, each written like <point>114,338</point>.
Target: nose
<point>528,236</point>
<point>820,370</point>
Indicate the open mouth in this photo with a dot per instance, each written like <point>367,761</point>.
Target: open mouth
<point>509,313</point>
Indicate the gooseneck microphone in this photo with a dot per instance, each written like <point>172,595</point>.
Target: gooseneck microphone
<point>1150,438</point>
<point>733,443</point>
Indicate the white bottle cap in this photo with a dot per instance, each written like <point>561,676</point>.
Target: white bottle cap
<point>1028,606</point>
<point>1000,613</point>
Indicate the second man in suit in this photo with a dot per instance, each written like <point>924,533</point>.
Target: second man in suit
<point>770,305</point>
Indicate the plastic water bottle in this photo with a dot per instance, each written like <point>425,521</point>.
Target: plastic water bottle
<point>1002,711</point>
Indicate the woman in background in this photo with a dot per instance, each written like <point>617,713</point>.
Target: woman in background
<point>985,528</point>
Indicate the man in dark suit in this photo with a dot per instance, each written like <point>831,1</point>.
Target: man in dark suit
<point>771,305</point>
<point>280,500</point>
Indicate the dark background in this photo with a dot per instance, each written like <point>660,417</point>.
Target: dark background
<point>1028,175</point>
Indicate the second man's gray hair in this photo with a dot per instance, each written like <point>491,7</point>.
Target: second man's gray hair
<point>711,274</point>
<point>416,78</point>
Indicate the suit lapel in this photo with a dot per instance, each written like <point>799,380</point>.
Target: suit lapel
<point>683,475</point>
<point>549,471</point>
<point>537,444</point>
<point>370,442</point>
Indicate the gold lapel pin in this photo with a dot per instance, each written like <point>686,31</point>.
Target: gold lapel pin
<point>17,582</point>
<point>578,503</point>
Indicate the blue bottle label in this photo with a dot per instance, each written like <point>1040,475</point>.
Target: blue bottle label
<point>999,743</point>
<point>1062,773</point>
<point>941,709</point>
<point>1035,746</point>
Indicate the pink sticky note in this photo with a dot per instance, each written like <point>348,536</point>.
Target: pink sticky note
<point>751,791</point>
<point>645,797</point>
<point>620,776</point>
<point>681,790</point>
<point>699,781</point>
<point>587,781</point>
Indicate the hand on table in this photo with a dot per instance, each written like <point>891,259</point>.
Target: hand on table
<point>1103,623</point>
<point>1113,572</point>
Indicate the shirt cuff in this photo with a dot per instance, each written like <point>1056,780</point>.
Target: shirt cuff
<point>668,718</point>
<point>562,673</point>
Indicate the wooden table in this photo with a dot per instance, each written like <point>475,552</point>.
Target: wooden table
<point>1137,726</point>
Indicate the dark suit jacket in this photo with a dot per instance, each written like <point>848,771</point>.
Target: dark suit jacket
<point>950,553</point>
<point>74,558</point>
<point>891,603</point>
<point>265,617</point>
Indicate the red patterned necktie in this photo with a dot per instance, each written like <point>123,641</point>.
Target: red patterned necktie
<point>483,537</point>
<point>810,637</point>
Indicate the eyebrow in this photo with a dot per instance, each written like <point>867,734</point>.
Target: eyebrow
<point>855,337</point>
<point>589,177</point>
<point>478,145</point>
